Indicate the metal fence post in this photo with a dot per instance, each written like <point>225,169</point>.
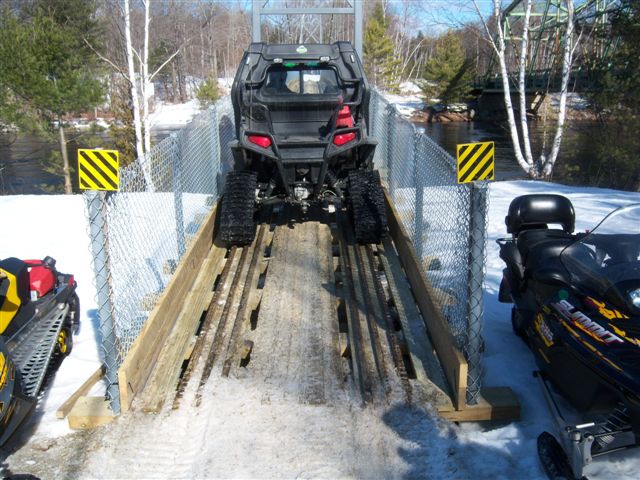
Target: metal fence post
<point>419,185</point>
<point>216,160</point>
<point>391,127</point>
<point>373,113</point>
<point>477,240</point>
<point>177,192</point>
<point>97,211</point>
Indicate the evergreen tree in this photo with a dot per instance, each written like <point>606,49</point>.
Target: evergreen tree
<point>47,68</point>
<point>380,62</point>
<point>448,73</point>
<point>208,93</point>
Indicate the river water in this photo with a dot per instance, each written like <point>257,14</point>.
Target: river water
<point>21,157</point>
<point>577,142</point>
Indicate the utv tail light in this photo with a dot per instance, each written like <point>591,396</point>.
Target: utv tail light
<point>345,120</point>
<point>264,142</point>
<point>340,140</point>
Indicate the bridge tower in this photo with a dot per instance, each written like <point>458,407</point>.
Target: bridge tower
<point>307,21</point>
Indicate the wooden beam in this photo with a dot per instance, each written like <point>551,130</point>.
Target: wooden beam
<point>495,403</point>
<point>66,407</point>
<point>139,362</point>
<point>166,371</point>
<point>90,412</point>
<point>453,362</point>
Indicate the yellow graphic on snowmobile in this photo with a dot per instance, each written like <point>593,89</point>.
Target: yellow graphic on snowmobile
<point>9,299</point>
<point>543,330</point>
<point>4,369</point>
<point>588,345</point>
<point>586,324</point>
<point>613,314</point>
<point>607,313</point>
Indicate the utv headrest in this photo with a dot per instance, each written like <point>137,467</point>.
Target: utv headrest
<point>536,210</point>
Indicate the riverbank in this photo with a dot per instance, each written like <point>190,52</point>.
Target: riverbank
<point>578,109</point>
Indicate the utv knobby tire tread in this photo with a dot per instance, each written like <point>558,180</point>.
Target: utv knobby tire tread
<point>368,206</point>
<point>237,224</point>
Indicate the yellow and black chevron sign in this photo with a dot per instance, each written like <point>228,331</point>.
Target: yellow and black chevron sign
<point>475,161</point>
<point>98,169</point>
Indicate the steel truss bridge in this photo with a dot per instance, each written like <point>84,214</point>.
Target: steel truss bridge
<point>547,39</point>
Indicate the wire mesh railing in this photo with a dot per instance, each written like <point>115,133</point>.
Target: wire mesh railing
<point>447,221</point>
<point>140,233</point>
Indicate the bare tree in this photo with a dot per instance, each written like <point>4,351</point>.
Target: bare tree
<point>542,166</point>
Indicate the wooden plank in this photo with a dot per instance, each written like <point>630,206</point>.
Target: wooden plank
<point>139,362</point>
<point>90,412</point>
<point>166,371</point>
<point>452,361</point>
<point>495,403</point>
<point>426,365</point>
<point>66,407</point>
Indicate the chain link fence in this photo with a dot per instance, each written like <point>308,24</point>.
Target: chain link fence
<point>140,233</point>
<point>447,221</point>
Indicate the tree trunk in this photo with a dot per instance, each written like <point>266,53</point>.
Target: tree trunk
<point>65,159</point>
<point>137,123</point>
<point>146,129</point>
<point>562,108</point>
<point>522,84</point>
<point>174,83</point>
<point>513,129</point>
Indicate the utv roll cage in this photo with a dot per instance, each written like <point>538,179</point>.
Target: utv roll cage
<point>300,130</point>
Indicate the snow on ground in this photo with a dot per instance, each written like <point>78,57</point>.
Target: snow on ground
<point>167,115</point>
<point>409,101</point>
<point>237,435</point>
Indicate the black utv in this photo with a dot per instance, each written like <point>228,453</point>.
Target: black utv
<point>302,117</point>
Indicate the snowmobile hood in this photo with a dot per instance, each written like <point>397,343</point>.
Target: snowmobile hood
<point>606,261</point>
<point>604,337</point>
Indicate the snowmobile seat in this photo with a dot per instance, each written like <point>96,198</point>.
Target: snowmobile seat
<point>14,289</point>
<point>536,211</point>
<point>541,247</point>
<point>18,270</point>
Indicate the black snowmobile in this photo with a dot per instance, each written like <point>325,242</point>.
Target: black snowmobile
<point>577,306</point>
<point>301,115</point>
<point>39,313</point>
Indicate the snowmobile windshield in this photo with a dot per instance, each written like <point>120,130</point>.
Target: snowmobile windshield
<point>301,79</point>
<point>606,261</point>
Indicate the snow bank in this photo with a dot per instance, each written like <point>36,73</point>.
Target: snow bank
<point>168,115</point>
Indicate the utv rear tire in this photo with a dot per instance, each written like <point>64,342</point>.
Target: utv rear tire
<point>368,208</point>
<point>237,224</point>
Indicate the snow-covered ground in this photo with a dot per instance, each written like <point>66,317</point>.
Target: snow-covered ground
<point>168,115</point>
<point>238,436</point>
<point>409,101</point>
